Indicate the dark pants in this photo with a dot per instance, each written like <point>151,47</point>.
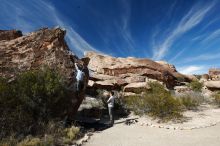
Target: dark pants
<point>79,86</point>
<point>111,114</point>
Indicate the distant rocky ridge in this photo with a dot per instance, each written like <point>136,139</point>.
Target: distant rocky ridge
<point>45,47</point>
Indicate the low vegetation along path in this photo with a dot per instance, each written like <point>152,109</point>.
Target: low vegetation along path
<point>136,135</point>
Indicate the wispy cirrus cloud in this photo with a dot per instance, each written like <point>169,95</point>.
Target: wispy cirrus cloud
<point>123,26</point>
<point>189,21</point>
<point>212,36</point>
<point>177,55</point>
<point>192,69</point>
<point>29,15</point>
<point>203,57</point>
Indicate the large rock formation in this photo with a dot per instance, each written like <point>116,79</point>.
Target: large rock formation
<point>9,34</point>
<point>212,85</point>
<point>214,73</point>
<point>45,47</point>
<point>117,73</point>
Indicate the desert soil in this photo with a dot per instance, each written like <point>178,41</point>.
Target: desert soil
<point>144,134</point>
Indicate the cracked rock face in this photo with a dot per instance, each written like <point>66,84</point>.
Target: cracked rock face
<point>9,34</point>
<point>35,50</point>
<point>45,47</point>
<point>124,71</point>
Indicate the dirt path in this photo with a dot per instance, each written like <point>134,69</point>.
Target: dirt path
<point>136,135</point>
<point>140,134</point>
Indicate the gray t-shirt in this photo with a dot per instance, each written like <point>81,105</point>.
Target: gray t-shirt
<point>111,101</point>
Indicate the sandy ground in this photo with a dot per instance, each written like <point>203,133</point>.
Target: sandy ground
<point>135,135</point>
<point>142,134</point>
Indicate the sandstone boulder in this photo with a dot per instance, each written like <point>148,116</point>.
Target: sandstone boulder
<point>90,110</point>
<point>91,83</point>
<point>128,70</point>
<point>192,77</point>
<point>136,87</point>
<point>212,85</point>
<point>214,73</point>
<point>45,47</point>
<point>149,80</point>
<point>9,34</point>
<point>135,79</point>
<point>204,77</point>
<point>107,84</point>
<point>101,77</point>
<point>166,64</point>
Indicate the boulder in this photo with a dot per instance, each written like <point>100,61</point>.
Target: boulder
<point>91,83</point>
<point>134,79</point>
<point>214,73</point>
<point>212,85</point>
<point>182,89</point>
<point>136,87</point>
<point>166,64</point>
<point>148,80</point>
<point>107,84</point>
<point>192,77</point>
<point>9,34</point>
<point>45,47</point>
<point>101,77</point>
<point>204,77</point>
<point>134,69</point>
<point>90,110</point>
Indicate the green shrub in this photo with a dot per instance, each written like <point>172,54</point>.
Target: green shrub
<point>196,86</point>
<point>71,133</point>
<point>217,98</point>
<point>27,141</point>
<point>189,103</point>
<point>191,100</point>
<point>156,102</point>
<point>32,100</point>
<point>135,104</point>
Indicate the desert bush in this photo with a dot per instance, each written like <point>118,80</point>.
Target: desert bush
<point>135,104</point>
<point>217,98</point>
<point>156,102</point>
<point>27,141</point>
<point>32,100</point>
<point>191,100</point>
<point>72,132</point>
<point>196,86</point>
<point>53,133</point>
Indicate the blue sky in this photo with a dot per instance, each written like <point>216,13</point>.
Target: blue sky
<point>185,33</point>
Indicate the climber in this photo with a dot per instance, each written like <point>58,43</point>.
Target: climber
<point>80,75</point>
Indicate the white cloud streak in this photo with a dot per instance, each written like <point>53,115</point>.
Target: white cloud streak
<point>190,20</point>
<point>203,57</point>
<point>212,36</point>
<point>193,69</point>
<point>177,55</point>
<point>123,26</point>
<point>39,14</point>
